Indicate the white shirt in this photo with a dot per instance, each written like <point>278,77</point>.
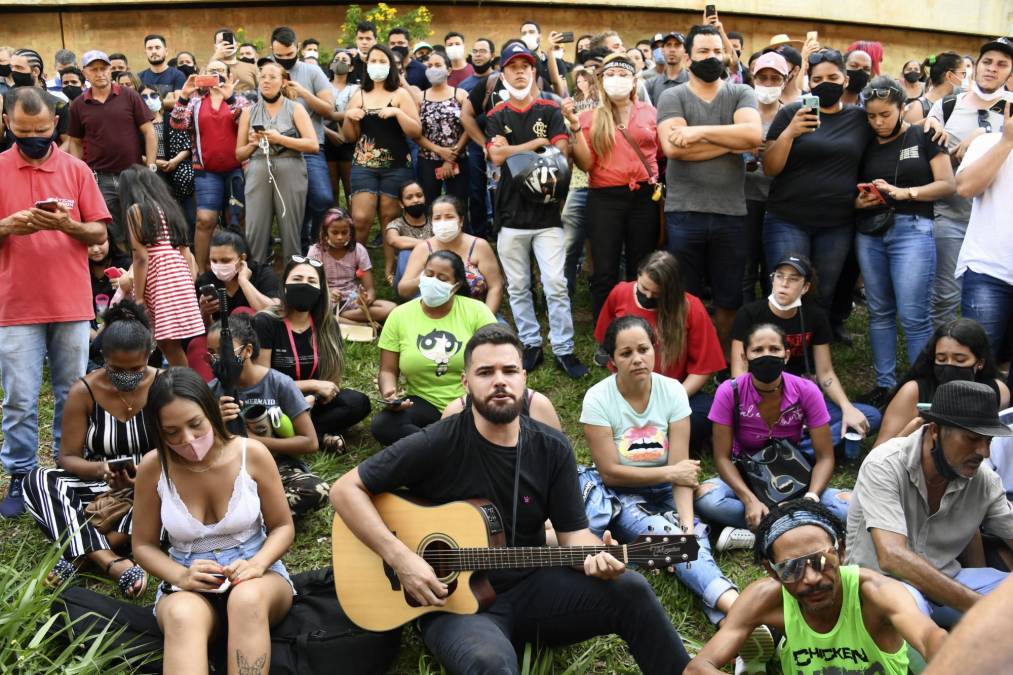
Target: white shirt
<point>988,244</point>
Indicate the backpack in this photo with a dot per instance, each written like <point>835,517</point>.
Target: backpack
<point>950,102</point>
<point>312,639</point>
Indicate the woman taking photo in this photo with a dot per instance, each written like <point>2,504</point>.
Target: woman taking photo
<point>617,144</point>
<point>424,339</point>
<point>442,160</point>
<point>107,428</point>
<point>337,150</point>
<point>946,74</point>
<point>772,404</point>
<point>273,135</point>
<point>301,339</point>
<point>688,350</point>
<point>403,233</point>
<point>270,389</point>
<point>211,117</point>
<point>380,119</point>
<point>898,261</point>
<point>958,350</point>
<point>173,155</point>
<point>217,536</point>
<point>485,282</point>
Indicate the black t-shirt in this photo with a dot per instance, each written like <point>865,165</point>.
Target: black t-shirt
<point>262,277</point>
<point>273,334</point>
<point>916,151</point>
<point>817,187</point>
<point>542,68</point>
<point>102,285</point>
<point>541,119</point>
<point>810,316</point>
<point>478,101</point>
<point>451,461</point>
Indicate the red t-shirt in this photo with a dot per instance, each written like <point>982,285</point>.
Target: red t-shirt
<point>110,129</point>
<point>44,276</point>
<point>218,130</point>
<point>702,354</point>
<point>456,77</point>
<point>623,167</point>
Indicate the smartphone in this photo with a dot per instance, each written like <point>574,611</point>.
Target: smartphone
<point>229,37</point>
<point>710,10</point>
<point>206,81</point>
<point>566,36</point>
<point>112,273</point>
<point>51,205</point>
<point>384,402</point>
<point>813,104</point>
<point>259,128</point>
<point>870,189</point>
<point>222,587</point>
<point>812,36</point>
<point>120,463</point>
<point>209,291</point>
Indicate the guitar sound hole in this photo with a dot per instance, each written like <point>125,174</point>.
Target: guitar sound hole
<point>439,562</point>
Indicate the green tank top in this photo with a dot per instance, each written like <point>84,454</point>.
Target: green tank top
<point>847,649</point>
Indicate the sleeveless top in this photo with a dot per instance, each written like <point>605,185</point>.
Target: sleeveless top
<point>847,648</point>
<point>927,389</point>
<point>109,438</point>
<point>241,521</point>
<point>476,280</point>
<point>382,143</point>
<point>284,122</point>
<point>441,123</point>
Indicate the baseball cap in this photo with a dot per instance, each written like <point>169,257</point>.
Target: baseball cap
<point>422,45</point>
<point>515,50</point>
<point>662,38</point>
<point>771,60</point>
<point>92,56</point>
<point>800,264</point>
<point>1000,44</point>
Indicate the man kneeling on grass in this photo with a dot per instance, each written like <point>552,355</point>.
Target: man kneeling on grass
<point>835,619</point>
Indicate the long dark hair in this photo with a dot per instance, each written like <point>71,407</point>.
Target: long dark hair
<point>146,201</point>
<point>663,270</point>
<point>327,334</point>
<point>967,332</point>
<point>393,80</point>
<point>620,324</point>
<point>940,64</point>
<point>126,329</point>
<point>180,382</point>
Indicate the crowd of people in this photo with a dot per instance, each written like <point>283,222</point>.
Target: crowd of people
<point>185,250</point>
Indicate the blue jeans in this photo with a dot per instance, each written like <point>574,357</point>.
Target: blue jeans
<point>710,250</point>
<point>989,301</point>
<point>652,510</point>
<point>898,267</point>
<point>574,218</point>
<point>24,351</point>
<point>319,196</point>
<point>402,265</point>
<point>949,236</point>
<point>214,189</point>
<point>826,247</point>
<point>872,414</point>
<point>721,506</point>
<point>982,580</point>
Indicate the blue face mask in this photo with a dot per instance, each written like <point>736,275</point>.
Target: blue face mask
<point>33,147</point>
<point>657,55</point>
<point>433,292</point>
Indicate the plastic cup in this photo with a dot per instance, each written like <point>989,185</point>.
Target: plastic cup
<point>852,444</point>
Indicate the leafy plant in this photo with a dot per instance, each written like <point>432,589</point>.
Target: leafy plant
<point>242,37</point>
<point>385,17</point>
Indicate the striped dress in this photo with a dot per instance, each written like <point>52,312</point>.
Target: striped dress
<point>168,292</point>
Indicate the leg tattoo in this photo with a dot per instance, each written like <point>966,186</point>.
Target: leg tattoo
<point>247,668</point>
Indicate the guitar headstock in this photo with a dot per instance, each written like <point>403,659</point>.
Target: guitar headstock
<point>663,550</point>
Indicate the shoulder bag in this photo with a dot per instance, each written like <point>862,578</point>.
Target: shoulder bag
<point>876,224</point>
<point>658,196</point>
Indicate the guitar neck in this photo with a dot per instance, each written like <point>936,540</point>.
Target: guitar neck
<point>518,557</point>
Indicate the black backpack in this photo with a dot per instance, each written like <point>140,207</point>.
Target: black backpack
<point>314,638</point>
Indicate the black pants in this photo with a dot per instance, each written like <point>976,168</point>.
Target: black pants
<point>389,426</point>
<point>456,185</point>
<point>618,217</point>
<point>756,265</point>
<point>557,606</point>
<point>844,292</point>
<point>346,409</point>
<point>109,185</point>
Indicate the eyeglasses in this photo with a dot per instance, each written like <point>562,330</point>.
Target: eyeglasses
<point>307,261</point>
<point>828,55</point>
<point>790,279</point>
<point>212,359</point>
<point>983,121</point>
<point>792,570</point>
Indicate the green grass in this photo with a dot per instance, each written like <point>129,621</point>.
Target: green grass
<point>312,544</point>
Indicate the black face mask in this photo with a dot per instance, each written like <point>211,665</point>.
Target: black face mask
<point>415,210</point>
<point>5,70</point>
<point>829,93</point>
<point>187,70</point>
<point>22,79</point>
<point>857,79</point>
<point>72,92</point>
<point>482,69</point>
<point>766,369</point>
<point>644,301</point>
<point>708,70</point>
<point>939,459</point>
<point>33,147</point>
<point>301,297</point>
<point>945,372</point>
<point>912,76</point>
<point>247,59</point>
<point>287,64</point>
<point>271,99</point>
<point>340,68</point>
<point>402,51</point>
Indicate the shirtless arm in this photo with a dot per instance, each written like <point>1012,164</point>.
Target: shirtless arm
<point>973,647</point>
<point>894,604</point>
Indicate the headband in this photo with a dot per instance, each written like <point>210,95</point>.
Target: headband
<point>790,521</point>
<point>619,61</point>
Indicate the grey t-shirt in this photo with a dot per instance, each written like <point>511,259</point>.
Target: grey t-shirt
<point>275,389</point>
<point>314,80</point>
<point>715,185</point>
<point>963,120</point>
<point>659,84</point>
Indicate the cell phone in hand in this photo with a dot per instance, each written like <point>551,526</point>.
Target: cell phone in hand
<point>51,205</point>
<point>259,128</point>
<point>565,36</point>
<point>120,463</point>
<point>209,291</point>
<point>206,81</point>
<point>813,104</point>
<point>710,10</point>
<point>392,402</point>
<point>229,37</point>
<point>112,273</point>
<point>870,189</point>
<point>812,36</point>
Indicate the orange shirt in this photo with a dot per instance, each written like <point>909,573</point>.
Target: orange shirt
<point>623,167</point>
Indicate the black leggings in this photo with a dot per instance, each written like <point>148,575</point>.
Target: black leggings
<point>346,409</point>
<point>390,426</point>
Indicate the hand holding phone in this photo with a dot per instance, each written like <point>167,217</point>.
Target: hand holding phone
<point>113,273</point>
<point>206,81</point>
<point>209,291</point>
<point>710,10</point>
<point>51,205</point>
<point>119,463</point>
<point>871,190</point>
<point>565,36</point>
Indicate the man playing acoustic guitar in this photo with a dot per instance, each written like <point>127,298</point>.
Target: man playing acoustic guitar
<point>476,454</point>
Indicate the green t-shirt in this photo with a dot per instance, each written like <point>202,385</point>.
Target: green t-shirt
<point>847,648</point>
<point>432,350</point>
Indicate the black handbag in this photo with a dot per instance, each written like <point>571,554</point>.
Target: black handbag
<point>775,473</point>
<point>877,224</point>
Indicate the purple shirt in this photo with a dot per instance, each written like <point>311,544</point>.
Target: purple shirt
<point>802,404</point>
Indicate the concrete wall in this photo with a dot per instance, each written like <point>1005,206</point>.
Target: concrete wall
<point>120,29</point>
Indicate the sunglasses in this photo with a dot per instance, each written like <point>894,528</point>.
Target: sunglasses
<point>302,260</point>
<point>983,121</point>
<point>212,359</point>
<point>827,55</point>
<point>792,570</point>
<point>885,92</point>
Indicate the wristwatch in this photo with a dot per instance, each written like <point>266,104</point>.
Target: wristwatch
<point>153,167</point>
<point>577,130</point>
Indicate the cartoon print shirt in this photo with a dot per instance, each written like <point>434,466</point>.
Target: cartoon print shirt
<point>431,351</point>
<point>641,438</point>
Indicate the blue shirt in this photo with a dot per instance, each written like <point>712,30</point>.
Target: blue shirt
<point>168,80</point>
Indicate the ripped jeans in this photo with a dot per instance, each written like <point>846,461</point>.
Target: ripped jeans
<point>721,506</point>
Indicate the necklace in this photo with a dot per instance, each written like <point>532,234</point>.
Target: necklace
<point>210,466</point>
<point>767,391</point>
<point>130,407</point>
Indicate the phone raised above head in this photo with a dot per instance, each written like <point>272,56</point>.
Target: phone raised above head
<point>207,81</point>
<point>710,10</point>
<point>566,36</point>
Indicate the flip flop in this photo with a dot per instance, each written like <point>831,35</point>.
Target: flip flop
<point>63,572</point>
<point>129,578</point>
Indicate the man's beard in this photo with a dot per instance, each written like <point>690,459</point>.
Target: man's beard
<point>497,413</point>
<point>156,62</point>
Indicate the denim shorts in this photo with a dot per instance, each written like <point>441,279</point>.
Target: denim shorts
<point>212,188</point>
<point>386,182</point>
<point>223,557</point>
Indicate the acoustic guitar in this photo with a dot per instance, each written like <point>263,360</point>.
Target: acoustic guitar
<point>461,540</point>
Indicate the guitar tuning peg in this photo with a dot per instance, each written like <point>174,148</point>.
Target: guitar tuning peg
<point>650,563</point>
<point>668,558</point>
<point>665,540</point>
<point>649,540</point>
<point>685,557</point>
<point>656,572</point>
<point>671,569</point>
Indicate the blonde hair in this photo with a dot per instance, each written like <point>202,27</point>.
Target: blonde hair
<point>603,123</point>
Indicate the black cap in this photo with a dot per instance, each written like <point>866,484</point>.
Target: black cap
<point>1000,44</point>
<point>801,265</point>
<point>968,405</point>
<point>662,38</point>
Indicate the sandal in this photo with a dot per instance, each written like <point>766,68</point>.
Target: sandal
<point>129,578</point>
<point>63,572</point>
<point>333,443</point>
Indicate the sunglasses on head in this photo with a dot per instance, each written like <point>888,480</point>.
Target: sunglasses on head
<point>876,92</point>
<point>302,260</point>
<point>792,570</point>
<point>828,55</point>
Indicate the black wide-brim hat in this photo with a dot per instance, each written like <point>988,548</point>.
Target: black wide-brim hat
<point>968,405</point>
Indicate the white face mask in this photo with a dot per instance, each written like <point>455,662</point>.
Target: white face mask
<point>516,94</point>
<point>617,86</point>
<point>378,71</point>
<point>784,308</point>
<point>455,52</point>
<point>445,230</point>
<point>433,292</point>
<point>558,53</point>
<point>768,95</point>
<point>988,98</point>
<point>530,41</point>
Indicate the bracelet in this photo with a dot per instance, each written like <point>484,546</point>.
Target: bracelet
<point>577,130</point>
<point>811,495</point>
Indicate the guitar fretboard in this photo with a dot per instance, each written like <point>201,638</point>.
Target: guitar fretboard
<point>518,557</point>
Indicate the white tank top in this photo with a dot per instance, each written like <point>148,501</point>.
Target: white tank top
<point>241,521</point>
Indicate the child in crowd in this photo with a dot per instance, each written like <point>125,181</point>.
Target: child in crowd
<point>405,232</point>
<point>348,269</point>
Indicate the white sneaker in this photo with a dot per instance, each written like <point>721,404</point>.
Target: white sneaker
<point>732,538</point>
<point>755,652</point>
<point>749,668</point>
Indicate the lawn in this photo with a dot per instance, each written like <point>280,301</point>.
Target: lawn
<point>312,544</point>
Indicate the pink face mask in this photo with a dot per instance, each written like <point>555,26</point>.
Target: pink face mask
<point>224,272</point>
<point>197,449</point>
